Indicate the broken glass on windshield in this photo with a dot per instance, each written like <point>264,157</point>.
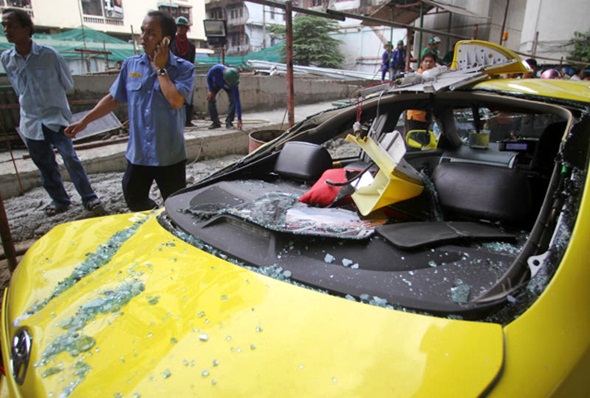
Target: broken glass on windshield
<point>284,213</point>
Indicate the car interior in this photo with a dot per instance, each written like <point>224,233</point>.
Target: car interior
<point>451,230</point>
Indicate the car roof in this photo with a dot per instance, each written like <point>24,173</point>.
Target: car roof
<point>577,91</point>
<point>480,65</point>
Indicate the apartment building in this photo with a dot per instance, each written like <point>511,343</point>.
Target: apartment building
<point>247,24</point>
<point>118,18</point>
<point>539,28</point>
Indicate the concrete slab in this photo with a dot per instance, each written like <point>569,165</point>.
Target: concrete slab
<point>18,174</point>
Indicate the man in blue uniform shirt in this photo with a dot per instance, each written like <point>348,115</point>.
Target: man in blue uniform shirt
<point>221,77</point>
<point>40,77</point>
<point>155,86</point>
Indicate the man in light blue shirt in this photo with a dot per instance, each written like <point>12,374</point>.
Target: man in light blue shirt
<point>40,77</point>
<point>155,86</point>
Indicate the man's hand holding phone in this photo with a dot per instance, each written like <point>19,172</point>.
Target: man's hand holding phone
<point>161,54</point>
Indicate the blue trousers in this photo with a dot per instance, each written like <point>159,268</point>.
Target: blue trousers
<point>44,158</point>
<point>384,70</point>
<point>212,106</point>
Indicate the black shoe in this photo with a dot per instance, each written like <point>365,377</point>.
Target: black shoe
<point>214,126</point>
<point>230,126</point>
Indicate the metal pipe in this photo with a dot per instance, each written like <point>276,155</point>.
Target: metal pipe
<point>289,59</point>
<point>341,16</point>
<point>420,35</point>
<point>384,22</point>
<point>504,21</point>
<point>7,138</point>
<point>7,242</point>
<point>449,27</point>
<point>535,42</point>
<point>409,44</point>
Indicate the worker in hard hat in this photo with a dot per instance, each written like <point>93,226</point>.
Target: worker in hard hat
<point>398,59</point>
<point>386,60</point>
<point>182,47</point>
<point>221,77</point>
<point>432,47</point>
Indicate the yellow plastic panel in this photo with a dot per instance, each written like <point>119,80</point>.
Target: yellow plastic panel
<point>493,58</point>
<point>391,184</point>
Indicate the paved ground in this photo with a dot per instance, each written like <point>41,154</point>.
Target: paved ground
<point>201,144</point>
<point>208,151</point>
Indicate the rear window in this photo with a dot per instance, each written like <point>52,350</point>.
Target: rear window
<point>501,125</point>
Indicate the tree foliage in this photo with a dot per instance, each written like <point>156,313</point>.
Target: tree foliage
<point>312,43</point>
<point>581,47</point>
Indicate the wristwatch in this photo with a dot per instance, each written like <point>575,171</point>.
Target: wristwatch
<point>162,72</point>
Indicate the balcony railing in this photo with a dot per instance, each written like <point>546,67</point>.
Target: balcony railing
<point>103,21</point>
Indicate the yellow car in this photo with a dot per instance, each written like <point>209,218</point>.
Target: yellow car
<point>448,261</point>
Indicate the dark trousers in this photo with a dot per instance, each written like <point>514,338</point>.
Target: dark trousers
<point>138,180</point>
<point>212,106</point>
<point>189,114</point>
<point>44,158</point>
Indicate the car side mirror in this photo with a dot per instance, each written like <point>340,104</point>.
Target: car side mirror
<point>421,139</point>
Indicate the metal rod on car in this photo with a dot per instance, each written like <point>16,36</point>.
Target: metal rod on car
<point>289,58</point>
<point>7,238</point>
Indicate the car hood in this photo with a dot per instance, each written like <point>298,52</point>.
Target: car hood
<point>120,305</point>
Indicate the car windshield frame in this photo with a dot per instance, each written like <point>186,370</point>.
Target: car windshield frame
<point>375,114</point>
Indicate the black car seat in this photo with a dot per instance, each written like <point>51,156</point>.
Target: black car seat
<point>477,191</point>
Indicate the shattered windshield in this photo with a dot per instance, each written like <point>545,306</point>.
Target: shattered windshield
<point>446,228</point>
<point>284,213</point>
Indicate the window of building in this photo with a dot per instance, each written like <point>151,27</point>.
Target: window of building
<point>102,8</point>
<point>16,3</point>
<point>236,13</point>
<point>234,39</point>
<point>22,4</point>
<point>176,10</point>
<point>216,13</point>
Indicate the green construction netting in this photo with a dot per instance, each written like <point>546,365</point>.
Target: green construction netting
<point>81,38</point>
<point>89,39</point>
<point>271,54</point>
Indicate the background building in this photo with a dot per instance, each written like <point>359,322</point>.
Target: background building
<point>539,28</point>
<point>246,24</point>
<point>103,20</point>
<point>533,28</point>
<point>120,18</point>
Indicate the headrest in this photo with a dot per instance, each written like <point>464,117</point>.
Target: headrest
<point>303,161</point>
